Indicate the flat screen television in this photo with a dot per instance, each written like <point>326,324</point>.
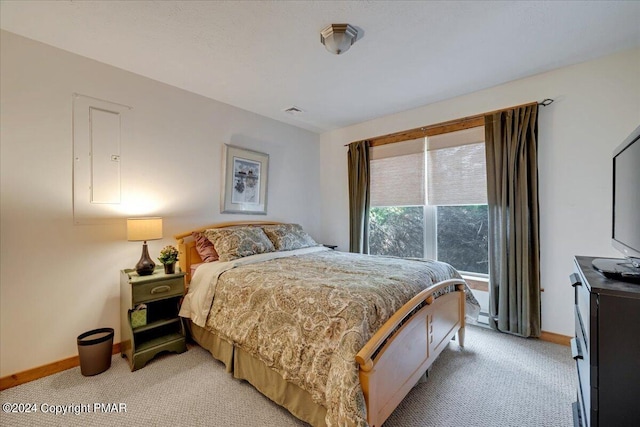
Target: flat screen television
<point>625,230</point>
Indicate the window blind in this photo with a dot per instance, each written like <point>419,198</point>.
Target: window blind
<point>456,168</point>
<point>398,174</point>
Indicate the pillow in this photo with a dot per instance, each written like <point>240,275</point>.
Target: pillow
<point>204,247</point>
<point>239,242</point>
<point>286,237</point>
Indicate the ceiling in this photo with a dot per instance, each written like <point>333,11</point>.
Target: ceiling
<point>266,56</point>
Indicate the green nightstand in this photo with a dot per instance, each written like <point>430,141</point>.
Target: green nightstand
<point>162,330</point>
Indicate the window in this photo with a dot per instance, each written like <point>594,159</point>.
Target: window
<point>397,231</point>
<point>462,237</point>
<point>429,200</point>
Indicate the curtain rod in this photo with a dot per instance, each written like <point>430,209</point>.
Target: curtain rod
<point>444,127</point>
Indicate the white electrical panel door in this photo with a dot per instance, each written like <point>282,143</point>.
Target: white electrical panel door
<point>100,129</point>
<point>105,155</point>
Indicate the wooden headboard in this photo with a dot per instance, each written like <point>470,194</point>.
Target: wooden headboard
<point>188,255</point>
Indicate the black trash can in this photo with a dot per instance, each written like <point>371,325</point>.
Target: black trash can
<point>94,348</point>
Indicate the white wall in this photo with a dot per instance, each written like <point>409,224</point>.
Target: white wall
<point>597,104</point>
<point>59,279</point>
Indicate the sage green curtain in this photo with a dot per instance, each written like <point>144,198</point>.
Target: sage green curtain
<point>358,163</point>
<point>511,139</point>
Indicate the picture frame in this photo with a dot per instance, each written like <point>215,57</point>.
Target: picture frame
<point>245,173</point>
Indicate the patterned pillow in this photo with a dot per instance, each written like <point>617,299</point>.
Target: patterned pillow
<point>204,247</point>
<point>239,242</point>
<point>286,237</point>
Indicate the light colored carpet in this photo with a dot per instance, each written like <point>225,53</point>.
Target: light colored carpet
<point>497,380</point>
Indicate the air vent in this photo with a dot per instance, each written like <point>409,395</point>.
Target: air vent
<point>294,111</point>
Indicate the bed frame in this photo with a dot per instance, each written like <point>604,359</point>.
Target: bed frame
<point>396,357</point>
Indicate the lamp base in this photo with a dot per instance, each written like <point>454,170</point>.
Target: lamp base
<point>145,266</point>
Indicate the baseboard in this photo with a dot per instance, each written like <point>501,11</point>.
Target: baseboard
<point>555,338</point>
<point>44,371</point>
<point>544,335</point>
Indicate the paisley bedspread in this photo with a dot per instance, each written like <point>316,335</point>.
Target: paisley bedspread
<point>307,315</point>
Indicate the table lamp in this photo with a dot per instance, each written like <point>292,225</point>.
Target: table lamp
<point>143,229</point>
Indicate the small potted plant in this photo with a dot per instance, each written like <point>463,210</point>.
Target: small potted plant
<point>168,257</point>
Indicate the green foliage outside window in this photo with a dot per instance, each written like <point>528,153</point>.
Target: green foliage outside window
<point>397,231</point>
<point>462,234</point>
<point>463,237</point>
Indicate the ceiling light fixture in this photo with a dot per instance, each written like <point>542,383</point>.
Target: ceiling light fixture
<point>338,38</point>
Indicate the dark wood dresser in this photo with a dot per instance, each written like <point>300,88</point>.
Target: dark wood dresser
<point>606,349</point>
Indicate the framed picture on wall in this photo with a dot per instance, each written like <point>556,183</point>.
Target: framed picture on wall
<point>245,174</point>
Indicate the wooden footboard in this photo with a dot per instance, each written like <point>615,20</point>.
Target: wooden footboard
<point>395,358</point>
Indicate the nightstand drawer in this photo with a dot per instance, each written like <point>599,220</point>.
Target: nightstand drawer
<point>157,290</point>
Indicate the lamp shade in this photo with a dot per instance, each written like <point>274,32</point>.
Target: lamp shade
<point>144,229</point>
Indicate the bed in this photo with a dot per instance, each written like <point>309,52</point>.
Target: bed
<point>338,339</point>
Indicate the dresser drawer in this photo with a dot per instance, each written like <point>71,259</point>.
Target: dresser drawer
<point>581,337</point>
<point>584,375</point>
<point>582,302</point>
<point>585,421</point>
<point>157,290</point>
